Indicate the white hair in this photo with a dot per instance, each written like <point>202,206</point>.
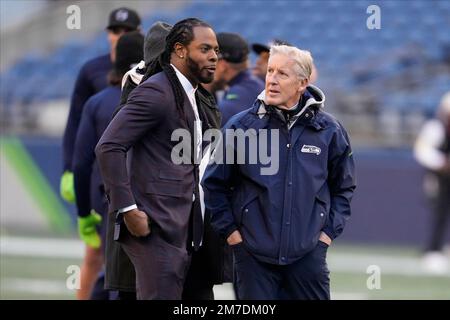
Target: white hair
<point>303,60</point>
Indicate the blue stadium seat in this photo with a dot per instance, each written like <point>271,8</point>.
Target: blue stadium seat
<point>334,31</point>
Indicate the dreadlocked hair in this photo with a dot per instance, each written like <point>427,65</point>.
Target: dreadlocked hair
<point>182,32</point>
<point>153,67</point>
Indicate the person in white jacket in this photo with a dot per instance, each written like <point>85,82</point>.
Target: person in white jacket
<point>432,151</point>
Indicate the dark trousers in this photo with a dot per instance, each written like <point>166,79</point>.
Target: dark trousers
<point>305,279</point>
<point>441,214</point>
<point>210,265</point>
<point>99,292</point>
<point>121,295</point>
<point>160,266</point>
<point>198,286</point>
<point>119,271</point>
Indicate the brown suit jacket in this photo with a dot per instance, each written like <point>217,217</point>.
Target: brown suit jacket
<point>156,185</point>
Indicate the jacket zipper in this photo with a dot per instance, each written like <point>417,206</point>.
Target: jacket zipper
<point>286,207</point>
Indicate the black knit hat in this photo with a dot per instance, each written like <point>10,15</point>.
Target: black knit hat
<point>155,40</point>
<point>233,48</point>
<point>124,18</point>
<point>128,51</point>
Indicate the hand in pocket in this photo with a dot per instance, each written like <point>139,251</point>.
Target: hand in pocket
<point>234,238</point>
<point>137,222</point>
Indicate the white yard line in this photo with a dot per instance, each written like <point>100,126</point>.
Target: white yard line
<point>58,288</point>
<point>338,262</point>
<point>42,247</point>
<point>392,265</point>
<point>36,286</point>
<point>348,296</point>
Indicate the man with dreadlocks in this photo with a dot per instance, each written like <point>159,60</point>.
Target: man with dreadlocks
<point>157,206</point>
<point>210,265</point>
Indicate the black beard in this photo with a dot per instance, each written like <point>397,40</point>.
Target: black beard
<point>196,72</point>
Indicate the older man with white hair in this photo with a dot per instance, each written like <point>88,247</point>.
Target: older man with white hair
<point>281,223</point>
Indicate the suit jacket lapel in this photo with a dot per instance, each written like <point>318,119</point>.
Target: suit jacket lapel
<point>190,118</point>
<point>189,113</point>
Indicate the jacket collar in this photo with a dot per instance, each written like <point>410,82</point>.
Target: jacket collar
<point>308,115</point>
<point>260,115</point>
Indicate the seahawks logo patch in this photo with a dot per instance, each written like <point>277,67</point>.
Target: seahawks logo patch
<point>311,149</point>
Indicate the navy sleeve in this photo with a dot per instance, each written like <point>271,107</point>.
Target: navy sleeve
<point>81,93</point>
<point>237,100</point>
<point>231,104</point>
<point>227,108</point>
<point>342,183</point>
<point>217,185</point>
<point>84,157</point>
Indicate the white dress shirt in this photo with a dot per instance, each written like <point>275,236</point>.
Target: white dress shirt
<point>190,92</point>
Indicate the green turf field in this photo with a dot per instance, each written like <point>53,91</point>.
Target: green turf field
<point>27,271</point>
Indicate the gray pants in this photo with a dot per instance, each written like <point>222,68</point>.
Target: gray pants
<point>160,267</point>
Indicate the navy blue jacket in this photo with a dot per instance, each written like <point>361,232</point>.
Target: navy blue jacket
<point>91,79</point>
<point>244,88</point>
<point>280,216</point>
<point>96,116</point>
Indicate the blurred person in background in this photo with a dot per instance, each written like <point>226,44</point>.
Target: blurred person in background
<point>154,43</point>
<point>89,190</point>
<point>262,50</point>
<point>91,79</point>
<point>432,151</point>
<point>233,76</point>
<point>280,224</point>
